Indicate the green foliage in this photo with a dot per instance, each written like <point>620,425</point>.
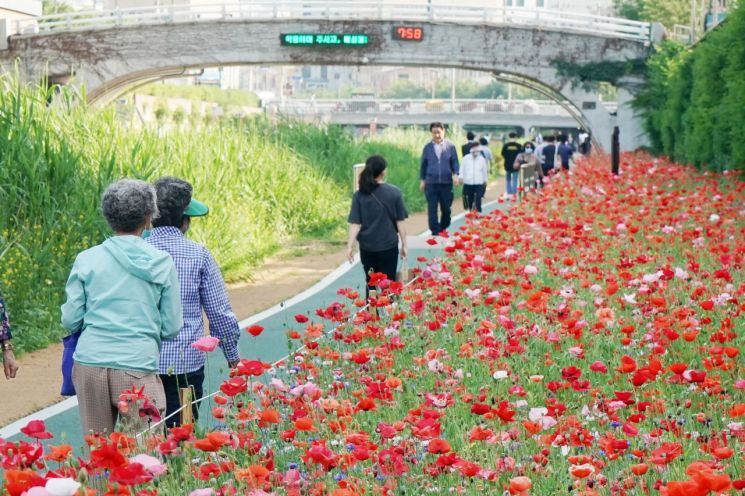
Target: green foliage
<point>266,184</point>
<point>225,98</point>
<point>694,102</point>
<point>630,9</point>
<point>666,12</point>
<point>406,89</point>
<point>53,7</point>
<point>589,75</point>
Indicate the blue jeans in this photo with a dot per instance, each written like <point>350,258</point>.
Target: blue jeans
<point>442,195</point>
<point>512,177</point>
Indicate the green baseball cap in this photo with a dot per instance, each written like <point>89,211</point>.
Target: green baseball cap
<point>196,209</point>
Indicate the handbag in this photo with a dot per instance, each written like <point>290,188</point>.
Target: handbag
<point>69,344</point>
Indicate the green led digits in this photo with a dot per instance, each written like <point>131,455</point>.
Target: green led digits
<point>323,39</point>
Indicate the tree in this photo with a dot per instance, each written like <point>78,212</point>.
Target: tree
<point>406,89</point>
<point>54,7</point>
<point>666,12</point>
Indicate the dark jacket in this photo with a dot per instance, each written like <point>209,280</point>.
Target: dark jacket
<point>439,171</point>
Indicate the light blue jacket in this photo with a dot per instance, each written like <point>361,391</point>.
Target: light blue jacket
<point>124,295</point>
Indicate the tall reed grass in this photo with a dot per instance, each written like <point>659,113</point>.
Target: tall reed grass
<point>265,183</point>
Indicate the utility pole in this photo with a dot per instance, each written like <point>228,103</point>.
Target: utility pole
<point>452,90</point>
<point>615,151</point>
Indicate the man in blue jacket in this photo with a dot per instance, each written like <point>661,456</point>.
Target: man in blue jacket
<point>438,166</point>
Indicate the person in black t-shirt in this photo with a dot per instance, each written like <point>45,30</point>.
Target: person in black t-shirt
<point>376,222</point>
<point>466,148</point>
<point>510,151</point>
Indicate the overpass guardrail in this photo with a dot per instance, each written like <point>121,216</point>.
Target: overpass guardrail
<point>416,106</point>
<point>610,27</point>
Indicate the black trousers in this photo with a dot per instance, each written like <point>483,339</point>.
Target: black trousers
<point>439,195</point>
<point>472,195</point>
<point>172,383</point>
<point>385,261</point>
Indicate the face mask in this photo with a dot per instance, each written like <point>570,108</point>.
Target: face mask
<point>528,150</point>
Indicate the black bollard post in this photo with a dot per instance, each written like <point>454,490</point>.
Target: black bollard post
<point>615,152</point>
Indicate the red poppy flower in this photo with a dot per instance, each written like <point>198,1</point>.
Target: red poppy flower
<point>107,456</point>
<point>255,330</point>
<point>301,319</point>
<point>234,386</point>
<point>438,447</point>
<point>251,367</point>
<point>36,429</point>
<point>131,474</point>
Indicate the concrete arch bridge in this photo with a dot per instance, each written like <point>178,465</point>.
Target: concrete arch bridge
<point>110,51</point>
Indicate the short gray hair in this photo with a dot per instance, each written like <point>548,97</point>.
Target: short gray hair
<point>127,202</point>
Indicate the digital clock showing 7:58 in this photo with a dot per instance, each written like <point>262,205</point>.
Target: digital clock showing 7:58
<point>408,33</point>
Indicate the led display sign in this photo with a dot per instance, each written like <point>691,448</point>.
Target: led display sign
<point>323,39</point>
<point>408,33</point>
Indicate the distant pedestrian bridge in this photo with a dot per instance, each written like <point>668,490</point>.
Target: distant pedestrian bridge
<point>109,51</point>
<point>524,114</point>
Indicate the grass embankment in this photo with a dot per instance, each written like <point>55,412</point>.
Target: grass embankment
<point>266,184</point>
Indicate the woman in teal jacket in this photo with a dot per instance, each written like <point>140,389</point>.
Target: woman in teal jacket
<point>124,296</point>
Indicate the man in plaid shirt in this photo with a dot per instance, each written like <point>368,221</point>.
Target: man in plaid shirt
<point>202,287</point>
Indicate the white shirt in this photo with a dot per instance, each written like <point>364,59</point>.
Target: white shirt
<point>474,169</point>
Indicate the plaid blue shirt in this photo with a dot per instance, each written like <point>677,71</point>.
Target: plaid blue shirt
<point>202,286</point>
<point>4,322</point>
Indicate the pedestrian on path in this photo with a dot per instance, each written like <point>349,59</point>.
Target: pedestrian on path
<point>124,296</point>
<point>202,290</point>
<point>565,151</point>
<point>376,221</point>
<point>549,155</point>
<point>10,366</point>
<point>485,151</point>
<point>510,150</point>
<point>528,158</point>
<point>438,166</point>
<point>473,174</point>
<point>466,147</point>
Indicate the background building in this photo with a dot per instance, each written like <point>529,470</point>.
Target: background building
<point>15,10</point>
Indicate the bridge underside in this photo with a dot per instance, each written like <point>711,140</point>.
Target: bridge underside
<point>108,61</point>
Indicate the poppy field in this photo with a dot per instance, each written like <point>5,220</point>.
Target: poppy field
<point>586,341</point>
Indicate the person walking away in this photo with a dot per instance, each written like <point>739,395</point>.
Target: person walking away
<point>202,291</point>
<point>124,296</point>
<point>583,140</point>
<point>10,366</point>
<point>465,150</point>
<point>510,150</point>
<point>549,155</point>
<point>485,151</point>
<point>466,147</point>
<point>376,222</point>
<point>565,152</point>
<point>528,158</point>
<point>473,175</point>
<point>439,163</point>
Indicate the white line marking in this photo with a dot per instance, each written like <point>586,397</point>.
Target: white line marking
<point>50,411</point>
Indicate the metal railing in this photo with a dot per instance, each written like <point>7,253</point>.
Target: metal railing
<point>336,10</point>
<point>410,106</point>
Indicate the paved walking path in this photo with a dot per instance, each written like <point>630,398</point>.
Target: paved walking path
<point>62,418</point>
